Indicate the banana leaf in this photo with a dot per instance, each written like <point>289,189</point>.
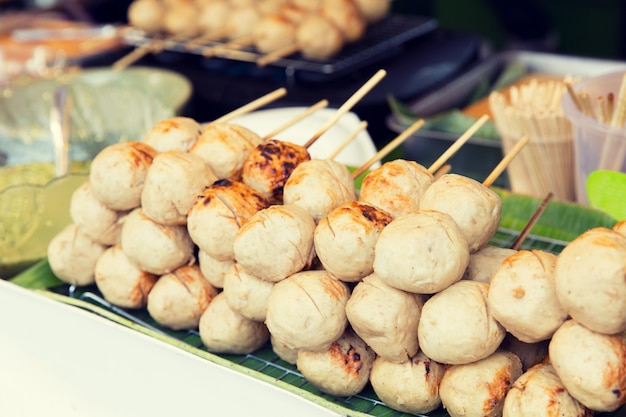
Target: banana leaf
<point>561,220</point>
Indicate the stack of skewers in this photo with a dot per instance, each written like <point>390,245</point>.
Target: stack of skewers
<point>275,29</point>
<point>547,163</point>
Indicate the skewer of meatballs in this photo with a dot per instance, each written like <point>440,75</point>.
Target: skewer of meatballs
<point>274,28</point>
<point>334,287</point>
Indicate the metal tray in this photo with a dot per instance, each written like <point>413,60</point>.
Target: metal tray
<point>379,40</point>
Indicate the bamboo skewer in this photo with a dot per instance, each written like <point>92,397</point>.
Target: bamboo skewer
<point>442,171</point>
<point>347,106</point>
<point>234,44</point>
<point>278,54</point>
<point>533,220</point>
<point>389,147</point>
<point>361,127</point>
<point>153,46</point>
<point>253,105</point>
<point>458,144</point>
<point>309,111</point>
<point>499,169</point>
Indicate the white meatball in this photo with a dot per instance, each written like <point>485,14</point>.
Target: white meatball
<point>102,224</point>
<point>317,36</point>
<point>283,351</point>
<point>346,16</point>
<point>246,294</point>
<point>589,279</point>
<point>341,370</point>
<point>319,186</point>
<point>374,10</point>
<point>474,207</point>
<point>422,252</point>
<point>223,330</point>
<point>273,33</point>
<point>120,281</point>
<point>290,230</point>
<point>307,310</point>
<point>396,186</point>
<point>179,299</point>
<point>479,388</point>
<point>620,227</point>
<point>345,240</point>
<point>225,147</point>
<point>212,17</point>
<point>539,392</point>
<point>118,172</point>
<point>485,262</point>
<point>591,365</point>
<point>386,318</point>
<point>173,182</point>
<point>213,269</point>
<point>154,247</point>
<point>218,213</point>
<point>146,15</point>
<point>456,326</point>
<point>522,296</point>
<point>173,134</point>
<point>411,386</point>
<point>72,256</point>
<point>180,19</point>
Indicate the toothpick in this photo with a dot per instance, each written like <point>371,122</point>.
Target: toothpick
<point>442,171</point>
<point>278,54</point>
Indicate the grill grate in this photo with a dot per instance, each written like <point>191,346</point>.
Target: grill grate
<point>266,362</point>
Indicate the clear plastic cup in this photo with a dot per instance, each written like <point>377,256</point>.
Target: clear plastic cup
<point>597,145</point>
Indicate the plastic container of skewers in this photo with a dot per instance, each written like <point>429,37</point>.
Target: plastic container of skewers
<point>451,109</point>
<point>248,250</point>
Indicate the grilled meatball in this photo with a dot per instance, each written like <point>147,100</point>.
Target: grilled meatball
<point>218,213</point>
<point>173,182</point>
<point>345,240</point>
<point>396,186</point>
<point>474,207</point>
<point>319,186</point>
<point>341,370</point>
<point>225,147</point>
<point>120,281</point>
<point>173,134</point>
<point>456,326</point>
<point>118,172</point>
<point>270,164</point>
<point>307,310</point>
<point>423,252</point>
<point>153,247</point>
<point>411,386</point>
<point>589,280</point>
<point>290,230</point>
<point>479,388</point>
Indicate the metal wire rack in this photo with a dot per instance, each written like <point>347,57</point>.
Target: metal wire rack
<point>266,362</point>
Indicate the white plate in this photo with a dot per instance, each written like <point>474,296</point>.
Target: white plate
<point>59,360</point>
<point>355,154</point>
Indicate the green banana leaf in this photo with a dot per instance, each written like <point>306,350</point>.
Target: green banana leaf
<point>562,221</point>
